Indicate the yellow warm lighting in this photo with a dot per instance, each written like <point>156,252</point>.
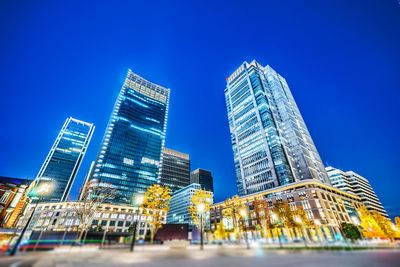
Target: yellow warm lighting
<point>200,208</point>
<point>139,199</point>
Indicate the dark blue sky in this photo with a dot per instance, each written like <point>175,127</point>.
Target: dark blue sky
<point>68,58</point>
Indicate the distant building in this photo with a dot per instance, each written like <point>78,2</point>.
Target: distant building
<point>204,178</point>
<point>327,206</point>
<point>129,159</point>
<point>62,217</point>
<point>175,170</point>
<point>13,198</point>
<point>63,161</point>
<point>354,183</point>
<point>271,143</point>
<point>178,207</point>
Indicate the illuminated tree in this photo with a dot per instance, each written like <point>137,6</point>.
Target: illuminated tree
<point>371,228</point>
<point>301,219</point>
<point>200,206</point>
<point>284,214</point>
<point>232,210</point>
<point>155,206</point>
<point>385,224</point>
<point>220,233</point>
<point>263,215</point>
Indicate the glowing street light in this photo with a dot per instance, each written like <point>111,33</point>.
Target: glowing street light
<point>200,210</point>
<point>139,199</point>
<point>42,190</point>
<point>298,220</point>
<point>243,213</point>
<point>274,218</point>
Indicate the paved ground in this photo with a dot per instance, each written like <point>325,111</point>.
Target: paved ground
<point>225,257</point>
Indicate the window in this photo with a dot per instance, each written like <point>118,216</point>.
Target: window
<point>112,223</point>
<point>4,198</point>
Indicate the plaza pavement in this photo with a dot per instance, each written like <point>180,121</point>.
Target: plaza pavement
<point>212,256</point>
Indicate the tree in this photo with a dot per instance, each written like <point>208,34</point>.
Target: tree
<point>284,215</point>
<point>220,233</point>
<point>385,224</point>
<point>155,207</point>
<point>263,215</point>
<point>232,210</point>
<point>370,227</point>
<point>351,231</point>
<point>89,204</point>
<point>200,206</point>
<point>301,219</point>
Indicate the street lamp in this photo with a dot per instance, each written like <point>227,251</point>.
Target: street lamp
<point>299,221</point>
<point>200,210</point>
<point>138,201</point>
<point>42,190</point>
<point>275,219</point>
<point>243,213</point>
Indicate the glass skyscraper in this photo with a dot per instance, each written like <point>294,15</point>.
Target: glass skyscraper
<point>175,171</point>
<point>204,178</point>
<point>63,162</point>
<point>270,141</point>
<point>130,154</point>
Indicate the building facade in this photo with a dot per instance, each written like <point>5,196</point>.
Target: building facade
<point>271,144</point>
<point>327,206</point>
<point>204,178</point>
<point>62,163</point>
<point>13,199</point>
<point>178,207</point>
<point>354,183</point>
<point>108,217</point>
<point>175,170</point>
<point>130,154</point>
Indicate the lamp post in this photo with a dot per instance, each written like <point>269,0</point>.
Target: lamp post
<point>243,213</point>
<point>200,211</point>
<point>275,219</point>
<point>138,202</point>
<point>42,190</point>
<point>299,221</point>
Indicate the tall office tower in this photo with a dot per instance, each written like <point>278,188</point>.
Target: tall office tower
<point>270,141</point>
<point>175,170</point>
<point>204,178</point>
<point>63,162</point>
<point>130,154</point>
<point>355,184</point>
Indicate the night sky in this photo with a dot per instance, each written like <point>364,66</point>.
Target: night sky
<point>70,58</point>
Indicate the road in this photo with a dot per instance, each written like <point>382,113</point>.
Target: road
<point>180,257</point>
